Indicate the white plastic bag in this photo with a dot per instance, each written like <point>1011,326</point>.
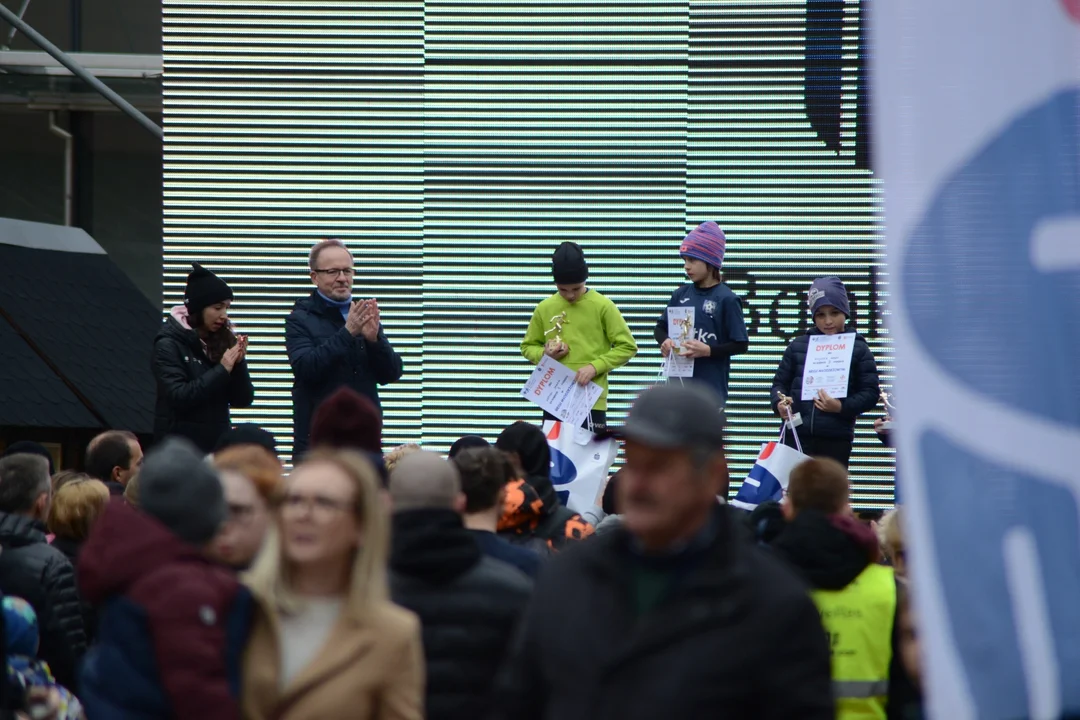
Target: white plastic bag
<point>579,471</point>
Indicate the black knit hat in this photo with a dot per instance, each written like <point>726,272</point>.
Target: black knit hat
<point>568,265</point>
<point>204,289</point>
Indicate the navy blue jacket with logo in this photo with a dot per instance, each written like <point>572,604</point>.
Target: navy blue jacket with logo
<point>324,356</point>
<point>718,322</point>
<point>863,389</point>
<point>194,394</point>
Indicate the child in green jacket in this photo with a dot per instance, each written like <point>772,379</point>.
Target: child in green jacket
<point>594,339</point>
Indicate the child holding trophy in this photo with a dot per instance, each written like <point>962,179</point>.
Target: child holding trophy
<point>718,331</point>
<point>580,328</point>
<point>826,424</point>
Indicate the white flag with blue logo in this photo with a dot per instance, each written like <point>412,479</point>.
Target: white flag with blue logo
<point>977,113</point>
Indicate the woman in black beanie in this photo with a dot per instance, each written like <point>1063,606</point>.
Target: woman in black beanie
<point>200,364</point>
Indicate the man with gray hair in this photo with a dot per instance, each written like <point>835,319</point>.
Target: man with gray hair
<point>468,603</point>
<point>334,340</point>
<point>34,570</point>
<point>685,616</point>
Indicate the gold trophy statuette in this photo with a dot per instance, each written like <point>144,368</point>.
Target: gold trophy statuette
<point>887,425</point>
<point>686,330</point>
<point>557,323</point>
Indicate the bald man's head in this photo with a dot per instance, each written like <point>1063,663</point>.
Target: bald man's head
<point>113,456</point>
<point>424,481</point>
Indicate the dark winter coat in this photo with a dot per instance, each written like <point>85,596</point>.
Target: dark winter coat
<point>71,549</point>
<point>172,625</point>
<point>32,569</point>
<point>737,636</point>
<point>830,552</point>
<point>863,389</point>
<point>468,605</point>
<point>325,356</point>
<point>496,547</point>
<point>194,394</point>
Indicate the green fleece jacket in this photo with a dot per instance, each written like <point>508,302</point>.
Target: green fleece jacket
<point>594,331</point>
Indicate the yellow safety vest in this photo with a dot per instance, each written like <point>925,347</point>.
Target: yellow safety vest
<point>859,622</point>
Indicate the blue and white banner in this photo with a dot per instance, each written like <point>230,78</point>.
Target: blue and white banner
<point>977,113</point>
<point>579,470</point>
<point>768,479</point>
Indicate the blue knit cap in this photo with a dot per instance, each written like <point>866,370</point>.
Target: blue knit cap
<point>828,291</point>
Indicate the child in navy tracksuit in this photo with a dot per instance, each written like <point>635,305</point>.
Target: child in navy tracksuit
<point>828,423</point>
<point>719,331</point>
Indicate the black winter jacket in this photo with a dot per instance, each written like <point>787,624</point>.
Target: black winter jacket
<point>325,356</point>
<point>194,395</point>
<point>863,389</point>
<point>737,637</point>
<point>71,549</point>
<point>468,606</point>
<point>32,569</point>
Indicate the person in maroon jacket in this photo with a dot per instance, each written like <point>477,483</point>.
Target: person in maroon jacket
<point>172,622</point>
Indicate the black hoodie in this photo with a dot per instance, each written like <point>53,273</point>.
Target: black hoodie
<point>533,451</point>
<point>829,550</point>
<point>468,606</point>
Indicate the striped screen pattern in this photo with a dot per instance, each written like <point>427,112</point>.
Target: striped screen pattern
<point>454,144</point>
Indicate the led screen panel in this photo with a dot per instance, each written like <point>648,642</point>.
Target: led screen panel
<point>453,145</point>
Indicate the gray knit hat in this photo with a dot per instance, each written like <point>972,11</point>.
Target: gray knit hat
<point>182,491</point>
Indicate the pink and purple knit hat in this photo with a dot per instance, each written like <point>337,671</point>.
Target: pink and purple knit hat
<point>706,243</point>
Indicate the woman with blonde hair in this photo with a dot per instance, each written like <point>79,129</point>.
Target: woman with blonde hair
<point>63,477</point>
<point>74,509</point>
<point>326,642</point>
<point>251,477</point>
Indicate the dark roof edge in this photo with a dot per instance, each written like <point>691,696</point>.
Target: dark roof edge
<point>55,370</point>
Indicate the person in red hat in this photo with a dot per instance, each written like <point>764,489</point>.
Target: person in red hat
<point>349,421</point>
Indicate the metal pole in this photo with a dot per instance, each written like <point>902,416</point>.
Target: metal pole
<point>69,165</point>
<point>11,34</point>
<point>80,72</point>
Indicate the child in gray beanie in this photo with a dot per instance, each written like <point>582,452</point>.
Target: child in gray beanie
<point>182,492</point>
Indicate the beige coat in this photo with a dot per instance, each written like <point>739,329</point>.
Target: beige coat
<point>373,671</point>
